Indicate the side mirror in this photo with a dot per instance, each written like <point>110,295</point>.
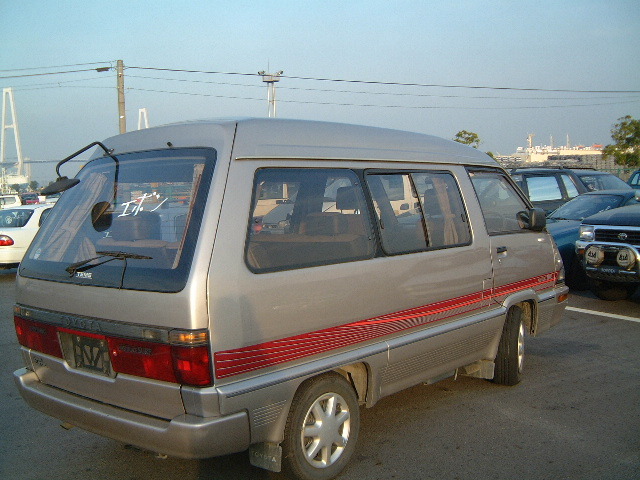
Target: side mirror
<point>64,183</point>
<point>533,219</point>
<point>59,186</point>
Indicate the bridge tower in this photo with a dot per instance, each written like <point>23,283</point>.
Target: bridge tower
<point>9,106</point>
<point>143,118</point>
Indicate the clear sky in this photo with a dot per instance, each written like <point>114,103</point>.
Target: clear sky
<point>587,45</point>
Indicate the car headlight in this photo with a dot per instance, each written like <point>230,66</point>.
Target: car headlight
<point>587,233</point>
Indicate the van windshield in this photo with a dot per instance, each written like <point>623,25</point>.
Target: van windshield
<point>132,222</point>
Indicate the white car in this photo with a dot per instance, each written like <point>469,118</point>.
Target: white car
<point>18,226</point>
<point>9,201</point>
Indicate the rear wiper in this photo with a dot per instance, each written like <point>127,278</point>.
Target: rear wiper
<point>83,265</point>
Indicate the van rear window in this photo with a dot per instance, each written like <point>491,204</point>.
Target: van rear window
<point>131,222</point>
<point>307,217</point>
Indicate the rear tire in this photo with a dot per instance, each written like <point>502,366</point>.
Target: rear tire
<point>322,428</point>
<point>612,291</point>
<point>509,361</point>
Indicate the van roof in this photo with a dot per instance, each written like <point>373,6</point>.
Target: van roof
<point>286,138</point>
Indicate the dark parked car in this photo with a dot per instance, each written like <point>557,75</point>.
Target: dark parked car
<point>609,251</point>
<point>564,225</point>
<point>634,179</point>
<point>29,198</point>
<point>548,188</point>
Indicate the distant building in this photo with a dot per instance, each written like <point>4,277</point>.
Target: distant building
<point>576,156</point>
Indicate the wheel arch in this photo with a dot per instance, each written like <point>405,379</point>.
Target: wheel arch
<point>358,375</point>
<point>527,302</point>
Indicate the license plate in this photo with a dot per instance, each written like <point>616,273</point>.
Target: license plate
<point>87,353</point>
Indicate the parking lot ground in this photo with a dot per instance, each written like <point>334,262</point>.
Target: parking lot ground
<point>575,416</point>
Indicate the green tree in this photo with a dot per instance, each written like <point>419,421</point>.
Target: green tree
<point>33,185</point>
<point>626,135</point>
<point>467,138</point>
<point>16,187</point>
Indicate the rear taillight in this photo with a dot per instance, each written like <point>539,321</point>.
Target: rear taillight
<point>192,365</point>
<point>191,356</point>
<point>38,336</point>
<point>142,359</point>
<point>6,241</point>
<point>185,359</point>
<point>559,273</point>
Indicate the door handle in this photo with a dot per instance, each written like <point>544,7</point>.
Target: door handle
<point>501,250</point>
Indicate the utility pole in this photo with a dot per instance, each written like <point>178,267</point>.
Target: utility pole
<point>121,112</point>
<point>270,79</point>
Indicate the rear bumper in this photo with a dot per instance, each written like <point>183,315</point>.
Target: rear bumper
<point>186,436</point>
<point>11,256</point>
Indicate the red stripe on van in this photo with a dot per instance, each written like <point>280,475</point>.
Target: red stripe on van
<point>254,357</point>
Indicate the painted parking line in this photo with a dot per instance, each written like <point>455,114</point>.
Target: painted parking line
<point>604,314</point>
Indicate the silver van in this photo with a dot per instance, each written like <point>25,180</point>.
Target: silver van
<point>211,287</point>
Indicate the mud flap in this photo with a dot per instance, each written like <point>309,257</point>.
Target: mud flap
<point>480,369</point>
<point>266,455</point>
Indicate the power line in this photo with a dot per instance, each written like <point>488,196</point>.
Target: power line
<point>49,73</point>
<point>630,99</point>
<point>61,84</point>
<point>360,92</point>
<point>295,77</point>
<point>232,97</point>
<point>362,82</point>
<point>413,107</point>
<point>378,82</point>
<point>111,62</point>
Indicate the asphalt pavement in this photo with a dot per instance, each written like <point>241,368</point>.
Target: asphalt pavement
<point>576,415</point>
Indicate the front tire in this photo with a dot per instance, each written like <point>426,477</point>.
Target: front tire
<point>509,362</point>
<point>322,428</point>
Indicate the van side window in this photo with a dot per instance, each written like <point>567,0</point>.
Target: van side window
<point>399,213</point>
<point>319,217</point>
<point>444,212</point>
<point>499,201</point>
<point>417,211</point>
